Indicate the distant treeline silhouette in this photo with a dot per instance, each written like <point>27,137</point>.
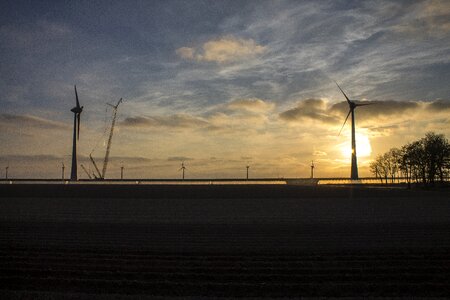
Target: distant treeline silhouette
<point>424,161</point>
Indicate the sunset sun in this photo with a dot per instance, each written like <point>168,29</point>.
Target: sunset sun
<point>363,147</point>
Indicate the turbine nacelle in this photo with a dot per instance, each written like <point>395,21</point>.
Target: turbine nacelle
<point>77,110</point>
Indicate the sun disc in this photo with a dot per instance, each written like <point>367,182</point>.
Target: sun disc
<point>363,147</point>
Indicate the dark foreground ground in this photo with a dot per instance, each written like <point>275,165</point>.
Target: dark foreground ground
<point>190,242</point>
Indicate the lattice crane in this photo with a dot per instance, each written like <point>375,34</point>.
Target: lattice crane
<point>108,146</point>
<point>101,175</point>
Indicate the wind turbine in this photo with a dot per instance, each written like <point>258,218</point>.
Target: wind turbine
<point>352,105</point>
<point>76,135</point>
<point>182,168</point>
<point>248,167</point>
<point>312,169</point>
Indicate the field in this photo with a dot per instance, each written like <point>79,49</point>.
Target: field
<point>191,242</point>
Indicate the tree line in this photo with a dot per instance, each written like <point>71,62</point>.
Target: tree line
<point>425,161</point>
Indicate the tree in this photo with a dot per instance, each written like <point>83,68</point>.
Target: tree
<point>436,149</point>
<point>423,161</point>
<point>380,168</point>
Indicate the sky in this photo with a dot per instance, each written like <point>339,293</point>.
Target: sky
<point>219,84</point>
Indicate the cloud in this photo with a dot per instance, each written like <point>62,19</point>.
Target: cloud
<point>130,159</point>
<point>378,108</point>
<point>429,18</point>
<point>240,114</point>
<point>29,158</point>
<point>30,122</point>
<point>172,121</point>
<point>250,105</point>
<point>319,110</point>
<point>313,109</point>
<point>179,158</point>
<point>30,35</point>
<point>223,50</point>
<point>186,52</point>
<point>439,105</point>
<point>319,153</point>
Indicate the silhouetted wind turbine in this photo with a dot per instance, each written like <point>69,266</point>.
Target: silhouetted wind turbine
<point>352,105</point>
<point>182,168</point>
<point>248,167</point>
<point>76,135</point>
<point>312,169</point>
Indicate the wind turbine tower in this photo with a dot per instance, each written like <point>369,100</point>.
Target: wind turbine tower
<point>182,169</point>
<point>312,169</point>
<point>121,172</point>
<point>352,105</point>
<point>6,173</point>
<point>248,167</point>
<point>62,170</point>
<point>76,135</point>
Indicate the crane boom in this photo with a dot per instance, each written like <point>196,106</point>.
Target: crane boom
<point>96,168</point>
<point>87,173</point>
<point>108,147</point>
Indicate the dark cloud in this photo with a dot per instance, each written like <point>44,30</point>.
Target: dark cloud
<point>174,121</point>
<point>439,105</point>
<point>317,109</point>
<point>30,121</point>
<point>377,108</point>
<point>314,109</point>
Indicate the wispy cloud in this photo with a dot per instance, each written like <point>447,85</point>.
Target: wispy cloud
<point>31,35</point>
<point>30,122</point>
<point>430,18</point>
<point>250,105</point>
<point>179,158</point>
<point>172,121</point>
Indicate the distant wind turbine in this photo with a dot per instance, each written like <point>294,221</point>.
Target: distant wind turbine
<point>182,168</point>
<point>352,105</point>
<point>76,135</point>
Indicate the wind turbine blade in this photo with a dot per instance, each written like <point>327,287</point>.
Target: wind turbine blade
<point>364,104</point>
<point>345,122</point>
<point>76,96</point>
<point>348,100</point>
<point>78,120</point>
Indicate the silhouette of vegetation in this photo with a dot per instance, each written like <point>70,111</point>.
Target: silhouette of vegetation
<point>424,161</point>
